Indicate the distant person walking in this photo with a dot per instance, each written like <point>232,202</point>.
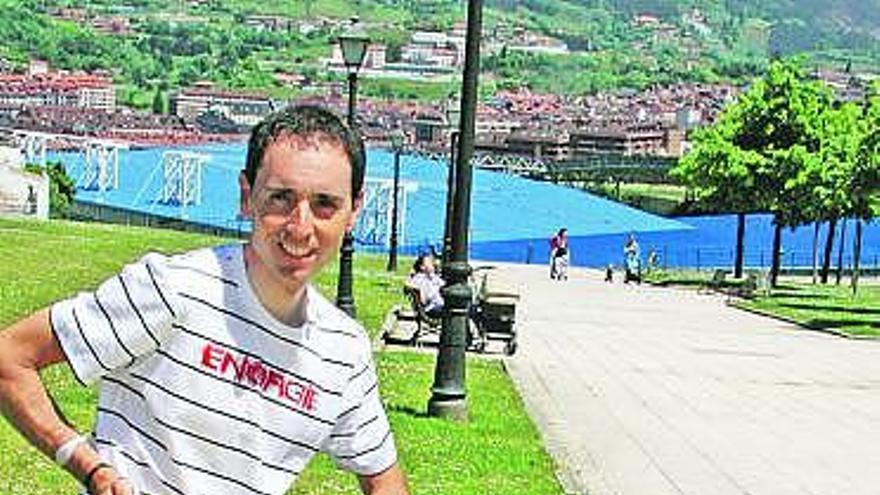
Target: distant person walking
<point>653,260</point>
<point>559,255</point>
<point>632,260</point>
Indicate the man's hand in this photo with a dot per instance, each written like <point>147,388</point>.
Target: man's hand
<point>388,482</point>
<point>106,481</point>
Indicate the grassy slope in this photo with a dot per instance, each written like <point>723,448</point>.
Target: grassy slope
<point>497,452</point>
<point>828,307</point>
<point>42,263</point>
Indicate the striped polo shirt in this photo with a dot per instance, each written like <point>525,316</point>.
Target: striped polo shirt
<point>202,391</point>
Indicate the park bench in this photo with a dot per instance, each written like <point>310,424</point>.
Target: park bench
<point>716,283</point>
<point>746,290</point>
<point>424,324</point>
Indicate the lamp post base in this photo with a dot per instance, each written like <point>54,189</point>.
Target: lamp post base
<point>453,408</point>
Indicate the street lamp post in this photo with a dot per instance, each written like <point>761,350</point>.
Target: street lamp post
<point>354,44</point>
<point>453,116</point>
<point>448,396</point>
<point>397,145</point>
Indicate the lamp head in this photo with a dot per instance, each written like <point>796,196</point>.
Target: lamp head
<point>453,113</point>
<point>354,42</point>
<point>397,139</point>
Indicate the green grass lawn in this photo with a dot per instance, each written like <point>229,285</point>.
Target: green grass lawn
<point>656,198</point>
<point>827,307</point>
<point>680,278</point>
<point>497,452</point>
<point>671,192</point>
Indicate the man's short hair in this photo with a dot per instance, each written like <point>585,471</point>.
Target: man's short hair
<point>307,121</point>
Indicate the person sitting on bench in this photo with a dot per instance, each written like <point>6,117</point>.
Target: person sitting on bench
<point>425,278</point>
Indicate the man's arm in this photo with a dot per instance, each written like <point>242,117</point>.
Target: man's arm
<point>25,348</point>
<point>388,482</point>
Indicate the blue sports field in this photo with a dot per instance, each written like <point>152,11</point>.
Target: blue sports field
<point>512,218</point>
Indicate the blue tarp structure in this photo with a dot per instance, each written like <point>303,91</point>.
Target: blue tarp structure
<point>512,218</point>
<point>508,208</point>
<point>504,208</point>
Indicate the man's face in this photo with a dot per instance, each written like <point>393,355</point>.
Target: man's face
<point>301,205</point>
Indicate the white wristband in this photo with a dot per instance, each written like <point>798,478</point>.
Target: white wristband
<point>65,452</point>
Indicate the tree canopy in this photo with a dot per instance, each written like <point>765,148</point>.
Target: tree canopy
<point>786,147</point>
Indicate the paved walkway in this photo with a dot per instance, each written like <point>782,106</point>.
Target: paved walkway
<point>649,391</point>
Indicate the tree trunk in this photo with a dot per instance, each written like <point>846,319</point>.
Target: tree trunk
<point>829,249</point>
<point>840,253</point>
<point>857,255</point>
<point>740,242</point>
<point>815,251</point>
<point>777,254</point>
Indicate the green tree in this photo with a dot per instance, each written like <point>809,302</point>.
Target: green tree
<point>830,178</point>
<point>865,177</point>
<point>754,156</point>
<point>61,187</point>
<point>781,120</point>
<point>160,99</point>
<point>721,175</point>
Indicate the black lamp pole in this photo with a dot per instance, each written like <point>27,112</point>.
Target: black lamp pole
<point>448,396</point>
<point>354,47</point>
<point>397,144</point>
<point>452,117</point>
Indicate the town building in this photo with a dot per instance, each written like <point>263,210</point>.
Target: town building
<point>270,23</point>
<point>431,129</point>
<point>433,49</point>
<point>39,88</point>
<point>546,143</point>
<point>428,54</point>
<point>374,59</point>
<point>244,108</point>
<point>112,24</point>
<point>627,141</point>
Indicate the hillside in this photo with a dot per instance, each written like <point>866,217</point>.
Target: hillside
<point>795,26</point>
<point>154,45</point>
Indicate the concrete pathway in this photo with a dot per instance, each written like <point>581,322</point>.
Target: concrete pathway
<point>647,391</point>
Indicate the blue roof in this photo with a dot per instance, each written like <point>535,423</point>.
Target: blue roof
<point>512,218</point>
<point>503,207</point>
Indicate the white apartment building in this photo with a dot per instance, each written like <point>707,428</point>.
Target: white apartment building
<point>375,58</point>
<point>57,89</point>
<point>243,108</point>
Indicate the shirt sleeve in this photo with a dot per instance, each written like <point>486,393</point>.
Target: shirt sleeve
<point>128,316</point>
<point>361,441</point>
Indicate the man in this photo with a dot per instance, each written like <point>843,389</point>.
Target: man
<point>222,370</point>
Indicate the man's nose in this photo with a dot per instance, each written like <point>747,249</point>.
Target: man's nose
<point>300,222</point>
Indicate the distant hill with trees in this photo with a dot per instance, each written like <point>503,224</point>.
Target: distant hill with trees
<point>632,43</point>
<point>613,43</point>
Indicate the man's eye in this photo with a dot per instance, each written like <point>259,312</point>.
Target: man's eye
<point>279,201</point>
<point>324,204</point>
<point>280,197</point>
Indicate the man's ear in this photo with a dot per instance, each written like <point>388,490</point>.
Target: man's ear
<point>245,201</point>
<point>355,211</point>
